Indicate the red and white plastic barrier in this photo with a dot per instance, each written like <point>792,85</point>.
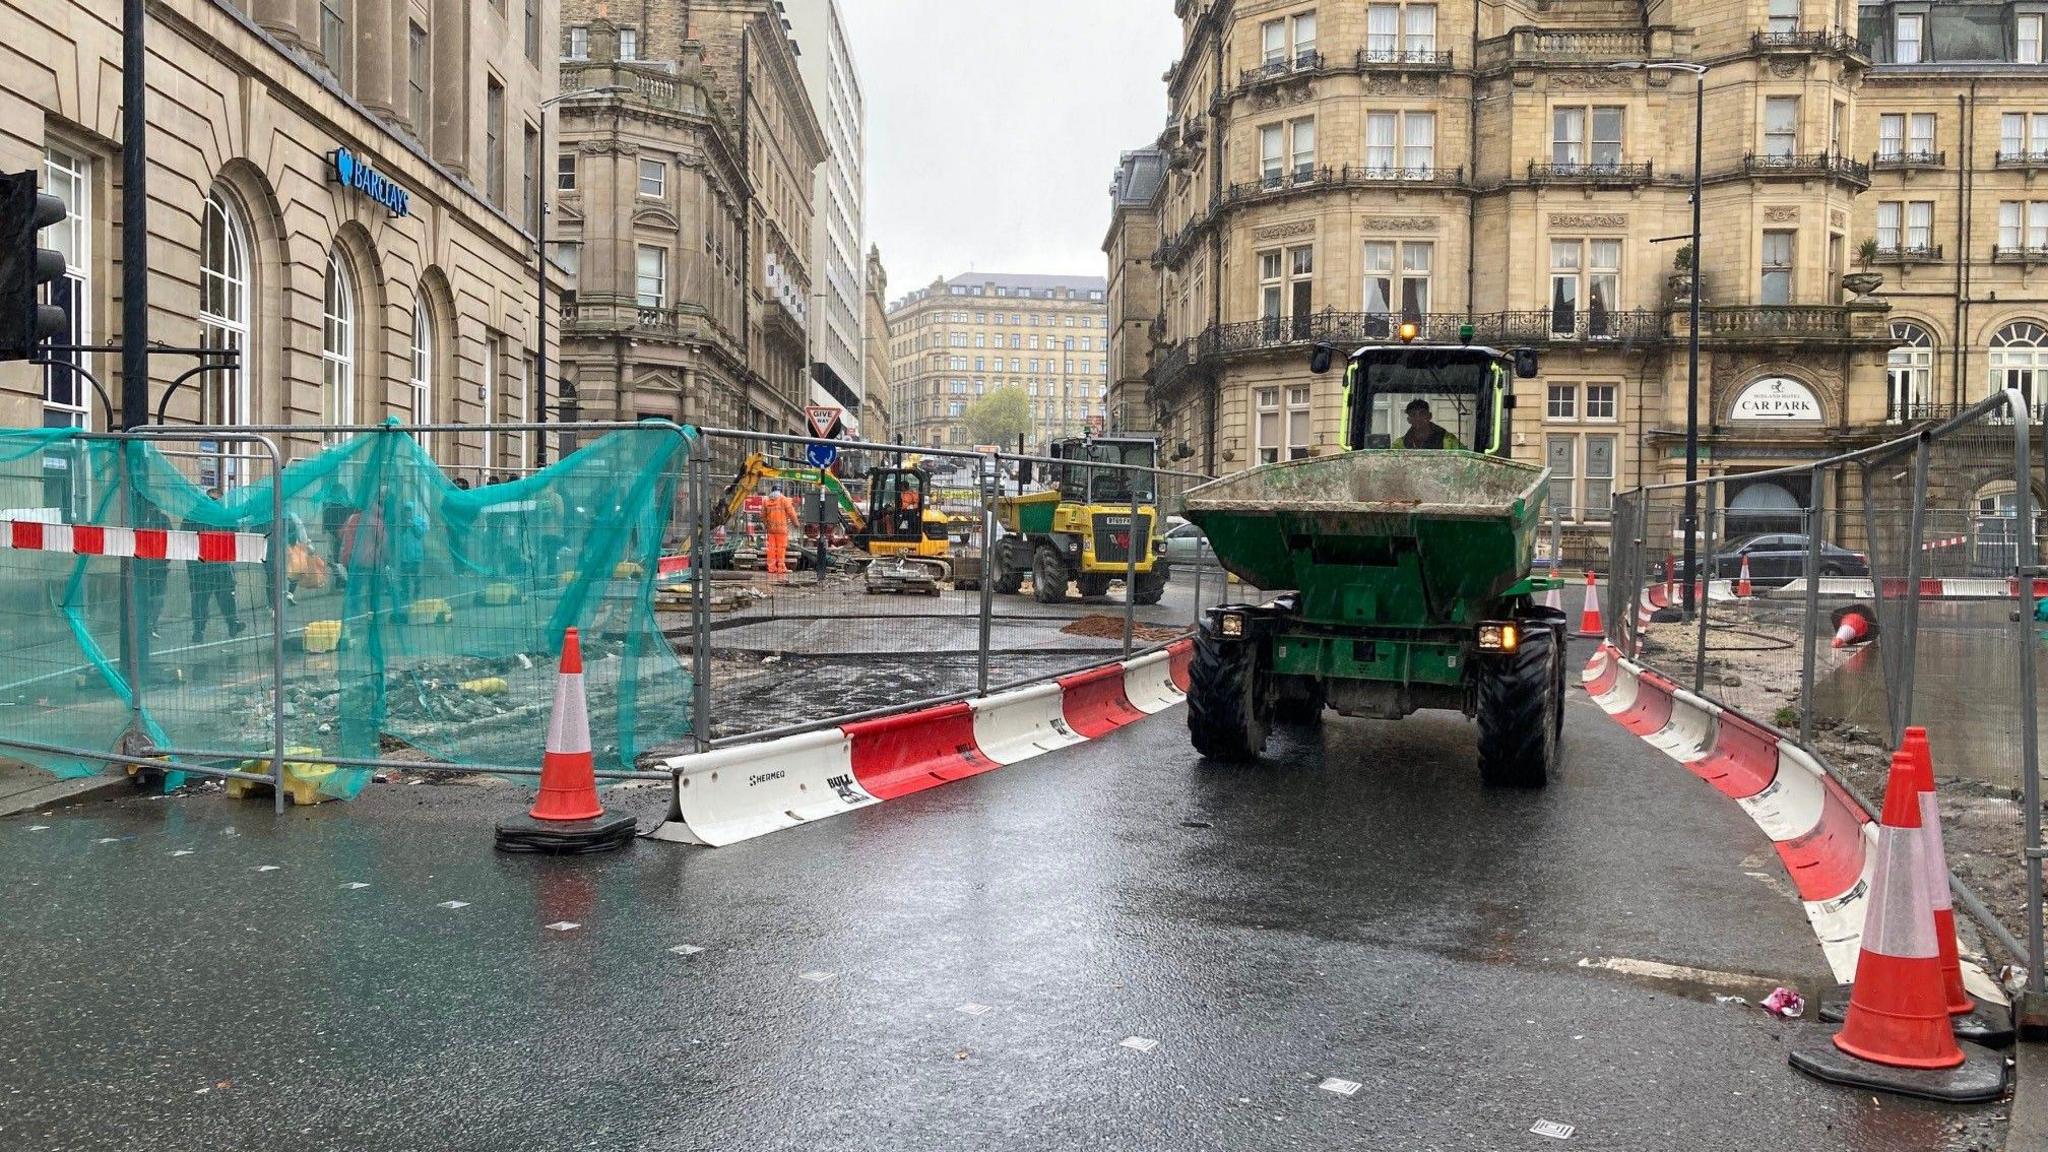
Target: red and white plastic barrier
<point>736,794</point>
<point>139,543</point>
<point>1930,588</point>
<point>1823,838</point>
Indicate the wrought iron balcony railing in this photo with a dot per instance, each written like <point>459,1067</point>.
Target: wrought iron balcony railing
<point>1309,61</point>
<point>1807,164</point>
<point>2021,159</point>
<point>1403,58</point>
<point>1833,40</point>
<point>1894,161</point>
<point>1614,173</point>
<point>1907,254</point>
<point>1350,176</point>
<point>2027,254</point>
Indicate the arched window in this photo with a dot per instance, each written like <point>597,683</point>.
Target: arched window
<point>224,324</point>
<point>421,378</point>
<point>2019,359</point>
<point>338,344</point>
<point>1909,373</point>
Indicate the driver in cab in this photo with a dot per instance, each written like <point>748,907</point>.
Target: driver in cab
<point>1424,432</point>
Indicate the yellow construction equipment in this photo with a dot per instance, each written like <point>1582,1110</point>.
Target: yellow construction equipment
<point>906,538</point>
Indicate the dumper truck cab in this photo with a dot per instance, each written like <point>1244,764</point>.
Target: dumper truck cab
<point>1399,569</point>
<point>1085,526</point>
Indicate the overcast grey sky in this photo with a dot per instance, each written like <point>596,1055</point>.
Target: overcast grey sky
<point>993,127</point>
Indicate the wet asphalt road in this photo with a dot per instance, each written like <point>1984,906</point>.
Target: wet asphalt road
<point>1359,908</point>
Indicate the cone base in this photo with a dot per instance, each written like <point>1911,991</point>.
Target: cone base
<point>523,833</point>
<point>1978,1079</point>
<point>1988,1024</point>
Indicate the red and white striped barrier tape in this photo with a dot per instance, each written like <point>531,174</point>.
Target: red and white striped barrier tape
<point>139,543</point>
<point>736,794</point>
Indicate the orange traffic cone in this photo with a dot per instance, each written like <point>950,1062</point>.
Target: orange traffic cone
<point>1854,625</point>
<point>1670,578</point>
<point>567,815</point>
<point>1897,1036</point>
<point>1589,619</point>
<point>1743,588</point>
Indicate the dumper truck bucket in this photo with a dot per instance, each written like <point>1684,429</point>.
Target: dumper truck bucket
<point>1387,537</point>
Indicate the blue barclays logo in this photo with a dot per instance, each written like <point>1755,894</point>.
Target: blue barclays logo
<point>352,171</point>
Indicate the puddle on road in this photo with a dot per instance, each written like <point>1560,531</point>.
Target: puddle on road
<point>1965,688</point>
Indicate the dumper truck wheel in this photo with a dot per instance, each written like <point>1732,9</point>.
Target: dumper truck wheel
<point>1009,581</point>
<point>1518,709</point>
<point>1048,576</point>
<point>1151,588</point>
<point>1093,585</point>
<point>1301,706</point>
<point>1226,719</point>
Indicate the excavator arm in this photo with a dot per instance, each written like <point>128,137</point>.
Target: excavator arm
<point>756,470</point>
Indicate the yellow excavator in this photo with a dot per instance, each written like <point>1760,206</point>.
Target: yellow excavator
<point>906,539</point>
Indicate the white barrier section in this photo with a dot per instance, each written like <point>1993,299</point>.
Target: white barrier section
<point>736,794</point>
<point>1014,726</point>
<point>1597,666</point>
<point>1838,923</point>
<point>1622,696</point>
<point>1148,684</point>
<point>1694,727</point>
<point>1790,806</point>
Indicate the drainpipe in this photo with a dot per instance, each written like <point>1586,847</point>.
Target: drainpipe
<point>1214,398</point>
<point>1471,163</point>
<point>1966,107</point>
<point>1967,185</point>
<point>747,225</point>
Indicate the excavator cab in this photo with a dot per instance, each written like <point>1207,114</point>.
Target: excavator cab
<point>897,499</point>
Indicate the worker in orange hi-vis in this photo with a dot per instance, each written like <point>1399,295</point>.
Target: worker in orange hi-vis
<point>780,515</point>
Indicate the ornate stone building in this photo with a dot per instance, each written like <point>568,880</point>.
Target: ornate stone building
<point>1334,169</point>
<point>878,418</point>
<point>960,339</point>
<point>684,177</point>
<point>350,298</point>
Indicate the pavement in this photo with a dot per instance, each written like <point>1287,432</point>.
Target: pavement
<point>975,966</point>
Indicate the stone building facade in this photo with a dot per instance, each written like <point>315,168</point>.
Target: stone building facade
<point>959,339</point>
<point>878,424</point>
<point>684,177</point>
<point>1133,285</point>
<point>838,271</point>
<point>1334,169</point>
<point>344,309</point>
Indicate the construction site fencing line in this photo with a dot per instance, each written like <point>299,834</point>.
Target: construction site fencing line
<point>381,605</point>
<point>1922,553</point>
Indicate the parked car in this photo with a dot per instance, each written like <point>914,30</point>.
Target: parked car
<point>1185,543</point>
<point>1779,558</point>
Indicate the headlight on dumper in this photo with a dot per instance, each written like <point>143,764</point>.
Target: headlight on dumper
<point>1233,624</point>
<point>1499,637</point>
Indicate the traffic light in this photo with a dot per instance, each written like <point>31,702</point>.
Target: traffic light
<point>24,268</point>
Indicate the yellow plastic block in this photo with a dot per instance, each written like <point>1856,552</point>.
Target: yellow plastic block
<point>323,635</point>
<point>628,570</point>
<point>488,686</point>
<point>500,594</point>
<point>432,611</point>
<point>301,780</point>
<point>569,578</point>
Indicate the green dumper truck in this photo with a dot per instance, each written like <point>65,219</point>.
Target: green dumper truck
<point>1406,561</point>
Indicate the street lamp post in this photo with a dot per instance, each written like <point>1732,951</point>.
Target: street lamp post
<point>1689,519</point>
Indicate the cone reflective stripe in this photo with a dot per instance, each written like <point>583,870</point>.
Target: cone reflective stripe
<point>1936,859</point>
<point>568,775</point>
<point>1898,1016</point>
<point>1589,620</point>
<point>1670,577</point>
<point>1743,588</point>
<point>1554,599</point>
<point>1855,626</point>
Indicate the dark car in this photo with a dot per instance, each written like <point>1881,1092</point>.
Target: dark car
<point>1778,558</point>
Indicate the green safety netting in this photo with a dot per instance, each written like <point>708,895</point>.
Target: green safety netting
<point>418,614</point>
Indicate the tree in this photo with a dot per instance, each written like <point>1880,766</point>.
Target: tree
<point>999,417</point>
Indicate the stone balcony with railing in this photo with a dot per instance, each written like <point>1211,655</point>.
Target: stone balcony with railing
<point>1541,47</point>
<point>1903,161</point>
<point>1806,166</point>
<point>1609,174</point>
<point>657,85</point>
<point>1829,42</point>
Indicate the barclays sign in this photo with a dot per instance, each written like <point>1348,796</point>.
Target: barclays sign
<point>352,171</point>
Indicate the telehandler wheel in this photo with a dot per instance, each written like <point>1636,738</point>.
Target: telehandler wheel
<point>1151,588</point>
<point>1226,713</point>
<point>1091,586</point>
<point>1048,575</point>
<point>1302,707</point>
<point>1519,710</point>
